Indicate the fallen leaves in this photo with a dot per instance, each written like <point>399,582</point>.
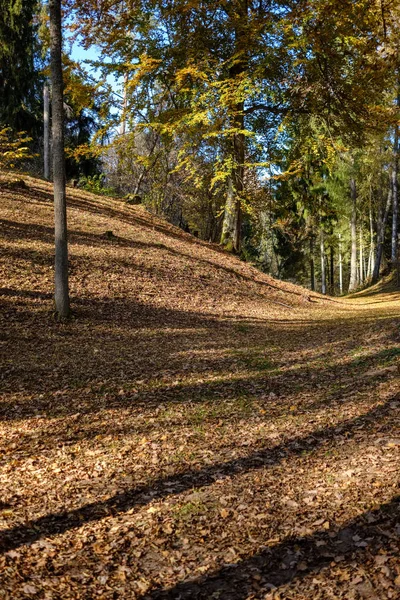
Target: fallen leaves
<point>176,440</point>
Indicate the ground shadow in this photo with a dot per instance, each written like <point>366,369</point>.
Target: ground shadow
<point>279,564</point>
<point>58,523</point>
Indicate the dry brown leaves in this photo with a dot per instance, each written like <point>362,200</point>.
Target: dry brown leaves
<point>198,430</point>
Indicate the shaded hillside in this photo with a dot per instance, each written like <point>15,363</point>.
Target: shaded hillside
<point>387,288</point>
<point>118,252</point>
<point>198,430</point>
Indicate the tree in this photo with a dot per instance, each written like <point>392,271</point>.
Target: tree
<point>60,207</point>
<point>395,185</point>
<point>20,96</point>
<point>353,231</point>
<point>13,148</point>
<point>46,131</point>
<point>218,94</point>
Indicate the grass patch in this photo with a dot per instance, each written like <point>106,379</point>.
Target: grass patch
<point>388,354</point>
<point>190,510</point>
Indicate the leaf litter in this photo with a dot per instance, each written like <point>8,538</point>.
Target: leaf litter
<point>198,429</point>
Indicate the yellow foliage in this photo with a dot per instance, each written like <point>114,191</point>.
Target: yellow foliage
<point>146,65</point>
<point>13,147</point>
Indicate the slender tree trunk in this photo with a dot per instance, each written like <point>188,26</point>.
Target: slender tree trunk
<point>340,266</point>
<point>371,258</point>
<point>60,208</point>
<point>395,199</point>
<point>381,237</point>
<point>332,271</point>
<point>46,131</point>
<point>361,276</point>
<point>323,270</point>
<point>145,169</point>
<point>312,266</point>
<point>124,105</point>
<point>353,232</point>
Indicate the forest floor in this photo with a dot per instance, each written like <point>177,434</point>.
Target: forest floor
<point>198,429</point>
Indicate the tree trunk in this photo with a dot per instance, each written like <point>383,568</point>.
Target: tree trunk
<point>323,270</point>
<point>231,236</point>
<point>232,223</point>
<point>353,230</point>
<point>332,271</point>
<point>312,266</point>
<point>124,105</point>
<point>371,258</point>
<point>381,237</point>
<point>60,208</point>
<point>340,266</point>
<point>395,200</point>
<point>46,131</point>
<point>361,276</point>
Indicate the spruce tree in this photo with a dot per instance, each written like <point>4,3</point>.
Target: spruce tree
<point>20,95</point>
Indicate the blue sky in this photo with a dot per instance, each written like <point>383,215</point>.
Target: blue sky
<point>80,54</point>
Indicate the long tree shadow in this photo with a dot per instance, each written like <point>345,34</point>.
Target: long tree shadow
<point>278,565</point>
<point>13,229</point>
<point>32,364</point>
<point>43,233</point>
<point>58,523</point>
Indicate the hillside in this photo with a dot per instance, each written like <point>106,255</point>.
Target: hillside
<point>387,288</point>
<point>198,429</point>
<point>136,256</point>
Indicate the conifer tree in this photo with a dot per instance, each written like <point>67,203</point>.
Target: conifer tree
<point>20,96</point>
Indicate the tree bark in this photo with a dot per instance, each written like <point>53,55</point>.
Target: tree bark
<point>381,237</point>
<point>395,199</point>
<point>60,208</point>
<point>323,270</point>
<point>232,223</point>
<point>46,131</point>
<point>332,271</point>
<point>231,236</point>
<point>353,231</point>
<point>312,266</point>
<point>124,105</point>
<point>340,266</point>
<point>371,258</point>
<point>361,276</point>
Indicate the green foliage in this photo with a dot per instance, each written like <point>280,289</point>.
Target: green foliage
<point>95,184</point>
<point>20,62</point>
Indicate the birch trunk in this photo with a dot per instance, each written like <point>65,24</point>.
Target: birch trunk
<point>361,276</point>
<point>340,266</point>
<point>312,266</point>
<point>60,208</point>
<point>124,105</point>
<point>381,237</point>
<point>371,258</point>
<point>46,131</point>
<point>353,231</point>
<point>323,270</point>
<point>395,198</point>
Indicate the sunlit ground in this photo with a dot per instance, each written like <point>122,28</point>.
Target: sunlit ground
<point>197,430</point>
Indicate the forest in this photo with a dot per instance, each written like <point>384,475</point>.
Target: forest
<point>271,128</point>
<point>199,299</point>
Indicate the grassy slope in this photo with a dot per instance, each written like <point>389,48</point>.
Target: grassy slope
<point>194,415</point>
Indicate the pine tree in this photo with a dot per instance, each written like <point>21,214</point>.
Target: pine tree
<point>20,97</point>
